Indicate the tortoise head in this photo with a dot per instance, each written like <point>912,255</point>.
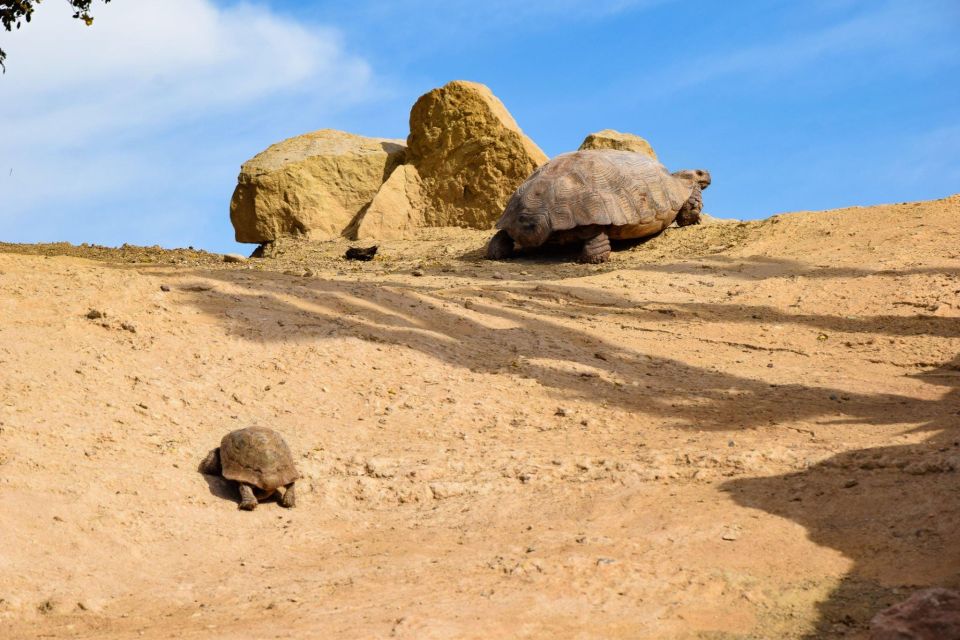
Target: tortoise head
<point>699,176</point>
<point>531,229</point>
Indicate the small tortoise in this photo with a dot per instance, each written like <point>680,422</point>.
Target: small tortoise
<point>593,196</point>
<point>259,461</point>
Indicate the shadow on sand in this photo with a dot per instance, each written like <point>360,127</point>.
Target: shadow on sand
<point>894,510</point>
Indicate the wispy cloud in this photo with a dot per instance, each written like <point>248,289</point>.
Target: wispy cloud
<point>875,28</point>
<point>91,112</point>
<point>421,28</point>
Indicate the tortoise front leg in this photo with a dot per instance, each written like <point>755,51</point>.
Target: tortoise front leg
<point>596,249</point>
<point>500,246</point>
<point>248,501</point>
<point>690,211</point>
<point>289,498</point>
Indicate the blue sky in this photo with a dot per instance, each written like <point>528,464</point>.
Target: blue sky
<point>134,130</point>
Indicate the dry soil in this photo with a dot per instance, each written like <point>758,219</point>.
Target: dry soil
<point>731,431</point>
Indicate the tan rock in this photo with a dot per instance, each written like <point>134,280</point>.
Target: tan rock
<point>312,185</point>
<point>610,139</point>
<point>396,211</point>
<point>470,154</point>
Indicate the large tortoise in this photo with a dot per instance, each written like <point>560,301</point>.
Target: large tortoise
<point>595,195</point>
<point>259,461</point>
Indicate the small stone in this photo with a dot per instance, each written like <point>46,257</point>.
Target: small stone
<point>164,288</point>
<point>380,468</point>
<point>600,355</point>
<point>563,412</point>
<point>417,273</point>
<point>849,484</point>
<point>362,254</point>
<point>730,536</point>
<point>128,326</point>
<point>95,314</point>
<point>442,490</point>
<point>233,257</point>
<point>307,273</point>
<point>497,275</point>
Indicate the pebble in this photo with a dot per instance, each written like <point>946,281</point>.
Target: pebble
<point>497,275</point>
<point>128,326</point>
<point>233,257</point>
<point>849,484</point>
<point>730,535</point>
<point>562,412</point>
<point>95,314</point>
<point>164,288</point>
<point>416,273</point>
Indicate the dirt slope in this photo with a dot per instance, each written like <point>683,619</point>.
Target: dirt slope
<point>735,431</point>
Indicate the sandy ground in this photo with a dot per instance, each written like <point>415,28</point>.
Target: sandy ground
<point>732,431</point>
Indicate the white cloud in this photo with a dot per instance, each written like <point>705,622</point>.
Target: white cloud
<point>76,100</point>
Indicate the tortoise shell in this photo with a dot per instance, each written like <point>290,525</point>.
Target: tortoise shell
<point>629,192</point>
<point>257,456</point>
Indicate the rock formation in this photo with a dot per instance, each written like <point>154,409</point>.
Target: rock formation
<point>470,154</point>
<point>465,159</point>
<point>610,139</point>
<point>312,185</point>
<point>397,210</point>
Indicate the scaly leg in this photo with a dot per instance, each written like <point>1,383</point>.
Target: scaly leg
<point>596,249</point>
<point>690,211</point>
<point>211,464</point>
<point>248,501</point>
<point>289,498</point>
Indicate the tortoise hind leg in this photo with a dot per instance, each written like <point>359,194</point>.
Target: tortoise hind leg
<point>289,497</point>
<point>248,501</point>
<point>596,249</point>
<point>211,464</point>
<point>500,246</point>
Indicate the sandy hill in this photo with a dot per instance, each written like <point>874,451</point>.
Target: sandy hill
<point>735,431</point>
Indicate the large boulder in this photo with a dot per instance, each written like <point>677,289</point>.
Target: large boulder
<point>470,154</point>
<point>610,139</point>
<point>312,185</point>
<point>397,210</point>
